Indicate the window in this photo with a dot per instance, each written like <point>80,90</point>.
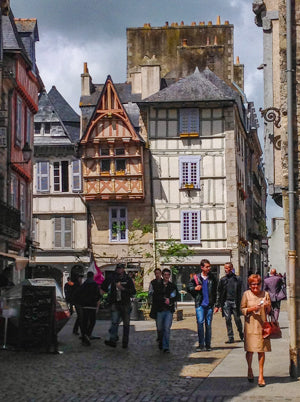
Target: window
<point>28,127</point>
<point>120,165</point>
<point>14,192</point>
<point>23,202</point>
<point>105,165</point>
<point>104,151</point>
<point>61,176</point>
<point>42,176</point>
<point>118,224</point>
<point>37,128</point>
<point>120,151</point>
<point>76,174</point>
<point>190,226</point>
<point>63,232</point>
<point>189,172</point>
<point>19,122</point>
<point>47,127</point>
<point>189,121</point>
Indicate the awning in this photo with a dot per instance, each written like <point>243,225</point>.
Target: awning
<point>20,262</point>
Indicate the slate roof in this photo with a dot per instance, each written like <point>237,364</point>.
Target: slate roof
<point>199,86</point>
<point>65,111</point>
<point>53,108</point>
<point>10,36</point>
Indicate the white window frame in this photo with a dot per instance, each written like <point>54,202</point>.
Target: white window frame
<point>189,171</point>
<point>40,176</point>
<point>76,172</point>
<point>118,220</point>
<point>62,232</point>
<point>60,177</point>
<point>190,217</point>
<point>189,120</point>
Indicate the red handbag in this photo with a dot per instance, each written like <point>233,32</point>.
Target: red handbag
<point>271,330</point>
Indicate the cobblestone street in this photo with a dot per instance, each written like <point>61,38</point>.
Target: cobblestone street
<point>97,373</point>
<point>142,372</point>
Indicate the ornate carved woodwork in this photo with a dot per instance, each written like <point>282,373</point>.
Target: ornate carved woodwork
<point>112,152</point>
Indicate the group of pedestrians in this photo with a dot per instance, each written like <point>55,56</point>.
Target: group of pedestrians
<point>85,298</point>
<point>226,296</point>
<point>210,297</point>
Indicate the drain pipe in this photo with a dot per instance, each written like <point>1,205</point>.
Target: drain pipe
<point>294,364</point>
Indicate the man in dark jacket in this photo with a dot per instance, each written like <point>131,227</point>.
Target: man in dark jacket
<point>120,288</point>
<point>88,296</point>
<point>203,288</point>
<point>274,285</point>
<point>229,300</point>
<point>163,303</point>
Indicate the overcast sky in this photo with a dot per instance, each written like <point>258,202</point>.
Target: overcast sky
<point>94,31</point>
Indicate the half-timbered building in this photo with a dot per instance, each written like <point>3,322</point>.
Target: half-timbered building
<point>115,176</point>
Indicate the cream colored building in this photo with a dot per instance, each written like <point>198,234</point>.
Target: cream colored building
<point>59,212</point>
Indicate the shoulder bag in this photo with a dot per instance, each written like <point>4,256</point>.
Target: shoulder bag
<point>271,329</point>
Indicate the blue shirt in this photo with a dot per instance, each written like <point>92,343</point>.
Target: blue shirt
<point>205,301</point>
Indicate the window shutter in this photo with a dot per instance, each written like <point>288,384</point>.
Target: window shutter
<point>189,120</point>
<point>76,173</point>
<point>43,176</point>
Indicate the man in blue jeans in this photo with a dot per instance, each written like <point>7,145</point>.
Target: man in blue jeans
<point>203,288</point>
<point>120,288</point>
<point>163,303</point>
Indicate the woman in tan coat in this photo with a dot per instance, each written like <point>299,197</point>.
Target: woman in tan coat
<point>255,305</point>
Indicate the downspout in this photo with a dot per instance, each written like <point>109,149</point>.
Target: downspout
<point>294,364</point>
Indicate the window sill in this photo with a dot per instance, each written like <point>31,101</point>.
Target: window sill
<point>189,135</point>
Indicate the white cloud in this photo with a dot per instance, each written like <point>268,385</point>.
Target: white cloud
<point>60,62</point>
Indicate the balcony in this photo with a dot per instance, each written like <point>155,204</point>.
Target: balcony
<point>10,221</point>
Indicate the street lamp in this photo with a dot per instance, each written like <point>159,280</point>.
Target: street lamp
<point>26,151</point>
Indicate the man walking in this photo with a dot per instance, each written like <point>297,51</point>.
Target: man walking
<point>120,288</point>
<point>88,296</point>
<point>203,288</point>
<point>164,298</point>
<point>274,285</point>
<point>229,300</point>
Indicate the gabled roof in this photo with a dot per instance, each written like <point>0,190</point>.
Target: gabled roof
<point>53,108</point>
<point>109,103</point>
<point>199,86</point>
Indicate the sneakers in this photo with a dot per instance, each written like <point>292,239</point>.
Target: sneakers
<point>166,350</point>
<point>110,343</point>
<point>200,348</point>
<point>208,348</point>
<point>230,341</point>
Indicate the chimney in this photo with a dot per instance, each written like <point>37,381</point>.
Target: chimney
<point>218,20</point>
<point>86,81</point>
<point>150,76</point>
